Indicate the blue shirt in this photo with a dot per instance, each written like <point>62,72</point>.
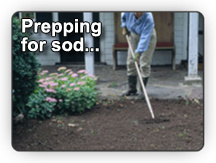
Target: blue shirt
<point>142,26</point>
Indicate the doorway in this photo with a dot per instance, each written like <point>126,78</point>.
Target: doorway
<point>73,56</point>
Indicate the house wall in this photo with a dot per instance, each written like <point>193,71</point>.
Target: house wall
<point>47,57</point>
<point>107,37</point>
<point>107,40</point>
<point>181,35</point>
<point>160,57</point>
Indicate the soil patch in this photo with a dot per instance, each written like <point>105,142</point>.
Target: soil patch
<point>115,125</point>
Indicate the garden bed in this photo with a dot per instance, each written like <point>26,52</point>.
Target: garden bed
<point>114,125</point>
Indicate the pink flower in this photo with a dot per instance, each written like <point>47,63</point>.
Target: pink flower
<point>69,89</point>
<point>50,90</point>
<point>50,99</point>
<point>44,72</point>
<point>68,70</point>
<point>82,72</point>
<point>72,84</point>
<point>64,79</point>
<point>63,86</point>
<point>50,82</point>
<point>77,89</point>
<point>60,74</point>
<point>70,73</point>
<point>60,100</point>
<point>53,74</point>
<point>53,84</point>
<point>45,83</point>
<point>53,100</point>
<point>48,78</point>
<point>42,86</point>
<point>74,75</point>
<point>81,83</point>
<point>41,80</point>
<point>61,68</point>
<point>91,76</point>
<point>83,77</point>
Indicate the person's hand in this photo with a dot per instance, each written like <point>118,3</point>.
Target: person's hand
<point>136,57</point>
<point>125,31</point>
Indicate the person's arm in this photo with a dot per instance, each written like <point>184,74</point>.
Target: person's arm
<point>145,38</point>
<point>123,24</point>
<point>123,19</point>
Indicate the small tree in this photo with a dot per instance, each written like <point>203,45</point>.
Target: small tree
<point>25,67</point>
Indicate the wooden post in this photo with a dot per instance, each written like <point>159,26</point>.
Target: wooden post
<point>89,43</point>
<point>55,18</point>
<point>193,48</point>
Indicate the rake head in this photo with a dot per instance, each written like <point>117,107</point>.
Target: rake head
<point>151,121</point>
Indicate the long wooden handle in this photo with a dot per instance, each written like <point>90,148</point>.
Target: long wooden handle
<point>141,80</point>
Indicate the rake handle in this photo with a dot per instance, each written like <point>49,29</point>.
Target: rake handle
<point>141,81</point>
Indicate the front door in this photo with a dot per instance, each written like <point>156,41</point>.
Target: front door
<point>164,25</point>
<point>71,56</point>
<point>74,56</point>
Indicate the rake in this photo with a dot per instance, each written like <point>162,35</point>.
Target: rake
<point>147,121</point>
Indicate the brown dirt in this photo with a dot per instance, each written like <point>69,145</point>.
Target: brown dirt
<point>115,125</point>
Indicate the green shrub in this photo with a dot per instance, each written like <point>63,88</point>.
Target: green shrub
<point>25,67</point>
<point>39,108</point>
<point>62,92</point>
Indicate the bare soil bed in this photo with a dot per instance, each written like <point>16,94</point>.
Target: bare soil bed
<point>116,126</point>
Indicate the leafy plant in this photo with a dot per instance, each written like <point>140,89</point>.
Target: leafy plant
<point>187,102</point>
<point>41,106</point>
<point>65,92</point>
<point>24,70</point>
<point>180,135</point>
<point>112,85</point>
